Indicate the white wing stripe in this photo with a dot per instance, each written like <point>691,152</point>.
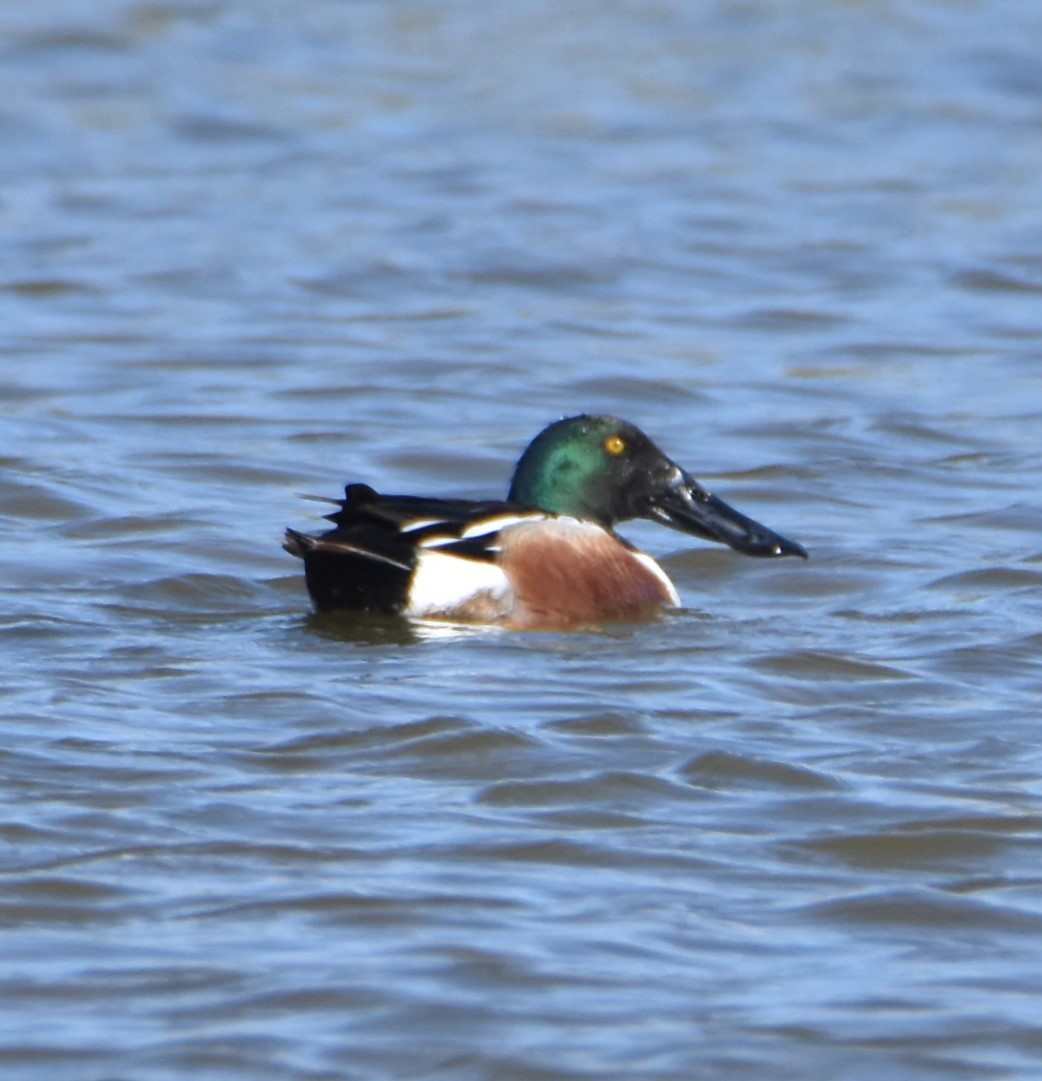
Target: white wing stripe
<point>436,541</point>
<point>420,523</point>
<point>501,521</point>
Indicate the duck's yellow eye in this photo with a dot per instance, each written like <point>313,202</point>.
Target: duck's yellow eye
<point>614,445</point>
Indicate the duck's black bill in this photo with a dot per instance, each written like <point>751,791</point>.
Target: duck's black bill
<point>687,506</point>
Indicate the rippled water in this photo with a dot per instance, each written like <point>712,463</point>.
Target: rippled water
<point>790,831</point>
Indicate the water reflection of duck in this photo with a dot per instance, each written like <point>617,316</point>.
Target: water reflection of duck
<point>548,557</point>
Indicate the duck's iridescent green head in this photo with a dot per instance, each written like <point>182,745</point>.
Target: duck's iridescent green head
<point>606,470</point>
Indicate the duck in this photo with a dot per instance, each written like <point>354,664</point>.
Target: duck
<point>545,558</point>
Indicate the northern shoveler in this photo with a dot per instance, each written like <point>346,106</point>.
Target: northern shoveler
<point>547,557</point>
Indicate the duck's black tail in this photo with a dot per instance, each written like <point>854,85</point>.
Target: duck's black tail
<point>345,572</point>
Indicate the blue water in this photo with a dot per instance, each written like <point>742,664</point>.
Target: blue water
<point>252,251</point>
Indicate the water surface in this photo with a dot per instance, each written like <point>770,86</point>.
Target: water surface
<point>789,831</point>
